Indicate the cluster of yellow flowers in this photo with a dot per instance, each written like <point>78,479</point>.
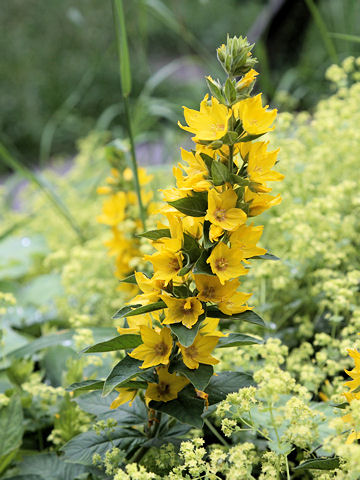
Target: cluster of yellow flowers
<point>353,395</point>
<point>119,211</point>
<point>205,245</point>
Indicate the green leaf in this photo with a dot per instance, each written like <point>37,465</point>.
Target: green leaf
<point>156,234</point>
<point>266,256</point>
<point>191,247</point>
<point>187,407</point>
<point>130,279</point>
<point>247,316</point>
<point>237,340</point>
<point>194,206</point>
<point>227,382</point>
<point>220,173</point>
<point>186,336</point>
<point>240,180</point>
<point>12,429</point>
<point>124,370</point>
<point>50,467</point>
<point>199,377</point>
<point>201,266</point>
<point>208,161</point>
<point>81,448</point>
<point>230,91</point>
<point>319,464</point>
<point>206,230</point>
<point>131,310</point>
<point>85,386</point>
<point>122,342</point>
<point>55,363</point>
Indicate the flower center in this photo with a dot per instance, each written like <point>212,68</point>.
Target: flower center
<point>191,351</point>
<point>208,292</point>
<point>219,214</point>
<point>221,264</point>
<point>174,264</point>
<point>161,349</point>
<point>163,388</point>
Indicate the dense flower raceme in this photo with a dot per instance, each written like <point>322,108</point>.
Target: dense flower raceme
<point>201,248</point>
<point>352,418</point>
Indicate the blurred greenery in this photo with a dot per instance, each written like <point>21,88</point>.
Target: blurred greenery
<point>59,73</point>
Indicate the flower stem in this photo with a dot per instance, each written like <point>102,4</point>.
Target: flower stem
<point>215,432</point>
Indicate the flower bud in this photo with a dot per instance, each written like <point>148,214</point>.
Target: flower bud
<point>235,57</point>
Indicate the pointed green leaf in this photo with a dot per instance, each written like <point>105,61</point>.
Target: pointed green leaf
<point>319,464</point>
<point>194,206</point>
<point>208,161</point>
<point>266,256</point>
<point>122,342</point>
<point>199,377</point>
<point>186,336</point>
<point>220,173</point>
<point>227,382</point>
<point>156,234</point>
<point>123,371</point>
<point>201,266</point>
<point>237,340</point>
<point>247,316</point>
<point>130,279</point>
<point>187,407</point>
<point>131,310</point>
<point>230,91</point>
<point>86,385</point>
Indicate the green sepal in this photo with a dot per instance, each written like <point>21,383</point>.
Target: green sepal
<point>199,377</point>
<point>194,206</point>
<point>156,234</point>
<point>220,173</point>
<point>186,336</point>
<point>249,138</point>
<point>132,310</point>
<point>123,371</point>
<point>247,316</point>
<point>215,89</point>
<point>237,340</point>
<point>239,180</point>
<point>85,386</point>
<point>206,231</point>
<point>223,383</point>
<point>231,137</point>
<point>319,464</point>
<point>187,407</point>
<point>230,91</point>
<point>122,342</point>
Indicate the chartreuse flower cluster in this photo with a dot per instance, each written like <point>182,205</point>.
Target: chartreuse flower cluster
<point>202,249</point>
<point>120,212</point>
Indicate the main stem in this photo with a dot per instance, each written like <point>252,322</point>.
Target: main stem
<point>134,162</point>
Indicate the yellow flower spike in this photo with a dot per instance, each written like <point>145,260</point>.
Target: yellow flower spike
<point>167,388</point>
<point>200,351</point>
<point>226,263</point>
<point>235,303</point>
<point>245,240</point>
<point>260,201</point>
<point>209,328</point>
<point>113,211</point>
<point>184,310</point>
<point>255,118</point>
<point>212,290</point>
<point>210,123</point>
<point>151,289</point>
<point>355,372</point>
<point>156,347</point>
<point>222,212</point>
<point>166,263</point>
<point>135,324</point>
<point>125,395</point>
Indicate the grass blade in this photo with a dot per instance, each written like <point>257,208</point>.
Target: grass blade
<point>122,47</point>
<point>346,36</point>
<point>14,164</point>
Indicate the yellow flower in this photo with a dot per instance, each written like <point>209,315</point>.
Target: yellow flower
<point>113,211</point>
<point>167,264</point>
<point>151,289</point>
<point>211,290</point>
<point>225,263</point>
<point>193,226</point>
<point>116,244</point>
<point>125,395</point>
<point>167,388</point>
<point>105,190</point>
<point>255,118</point>
<point>260,163</point>
<point>247,79</point>
<point>156,347</point>
<point>200,351</point>
<point>260,201</point>
<point>184,310</point>
<point>245,240</point>
<point>135,323</point>
<point>196,173</point>
<point>354,435</point>
<point>215,233</point>
<point>209,328</point>
<point>355,372</point>
<point>222,212</point>
<point>235,303</point>
<point>210,123</point>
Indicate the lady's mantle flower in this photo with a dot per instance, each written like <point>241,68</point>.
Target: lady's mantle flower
<point>184,310</point>
<point>156,348</point>
<point>222,212</point>
<point>210,123</point>
<point>167,388</point>
<point>200,351</point>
